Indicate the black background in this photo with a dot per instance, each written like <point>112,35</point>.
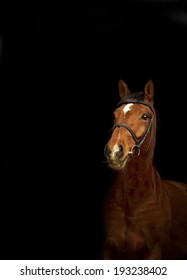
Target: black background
<point>60,68</point>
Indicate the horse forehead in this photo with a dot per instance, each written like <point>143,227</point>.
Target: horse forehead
<point>135,108</point>
<point>127,107</point>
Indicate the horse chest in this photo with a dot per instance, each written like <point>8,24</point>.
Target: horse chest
<point>124,239</point>
<point>125,229</point>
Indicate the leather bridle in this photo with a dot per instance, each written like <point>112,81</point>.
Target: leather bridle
<point>135,150</point>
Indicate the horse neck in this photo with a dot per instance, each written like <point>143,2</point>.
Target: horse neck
<point>138,172</point>
<point>139,179</point>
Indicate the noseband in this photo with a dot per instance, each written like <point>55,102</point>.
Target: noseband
<point>135,150</point>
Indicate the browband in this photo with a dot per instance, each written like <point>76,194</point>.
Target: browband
<point>135,101</point>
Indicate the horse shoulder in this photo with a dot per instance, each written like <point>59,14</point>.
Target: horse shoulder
<point>177,193</point>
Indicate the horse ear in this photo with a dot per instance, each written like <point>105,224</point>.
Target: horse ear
<point>123,89</point>
<point>149,91</point>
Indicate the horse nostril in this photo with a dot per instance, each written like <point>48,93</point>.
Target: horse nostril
<point>107,151</point>
<point>120,151</point>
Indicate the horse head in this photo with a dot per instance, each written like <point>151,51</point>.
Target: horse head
<point>132,131</point>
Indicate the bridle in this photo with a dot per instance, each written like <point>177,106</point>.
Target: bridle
<point>135,150</point>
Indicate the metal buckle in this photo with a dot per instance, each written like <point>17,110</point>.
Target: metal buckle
<point>135,151</point>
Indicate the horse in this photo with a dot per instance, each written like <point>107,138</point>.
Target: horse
<point>145,215</point>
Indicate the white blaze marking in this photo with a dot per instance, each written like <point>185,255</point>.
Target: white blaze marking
<point>127,108</point>
<point>116,148</point>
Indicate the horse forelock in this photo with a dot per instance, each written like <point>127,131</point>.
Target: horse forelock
<point>139,96</point>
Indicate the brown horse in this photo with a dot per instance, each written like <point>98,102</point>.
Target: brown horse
<point>145,217</point>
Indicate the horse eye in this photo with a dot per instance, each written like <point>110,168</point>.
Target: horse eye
<point>145,117</point>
